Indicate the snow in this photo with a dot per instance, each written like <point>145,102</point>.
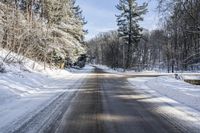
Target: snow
<point>24,90</point>
<point>191,77</point>
<point>175,89</point>
<point>180,100</point>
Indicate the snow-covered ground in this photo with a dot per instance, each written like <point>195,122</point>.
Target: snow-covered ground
<point>25,91</point>
<point>176,99</point>
<point>177,90</point>
<point>191,77</point>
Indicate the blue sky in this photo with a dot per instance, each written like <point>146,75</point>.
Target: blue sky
<point>100,15</point>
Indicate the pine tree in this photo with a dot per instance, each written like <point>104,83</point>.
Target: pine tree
<point>79,21</point>
<point>129,28</point>
<point>40,29</point>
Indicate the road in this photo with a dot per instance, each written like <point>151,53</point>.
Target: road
<point>106,103</point>
<point>101,102</point>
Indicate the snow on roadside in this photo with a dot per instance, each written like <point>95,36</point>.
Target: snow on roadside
<point>175,89</point>
<point>191,77</point>
<point>23,90</point>
<point>175,100</point>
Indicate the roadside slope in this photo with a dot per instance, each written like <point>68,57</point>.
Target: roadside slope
<point>26,92</point>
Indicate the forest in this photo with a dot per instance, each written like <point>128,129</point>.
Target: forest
<point>52,32</point>
<point>48,31</point>
<point>173,46</point>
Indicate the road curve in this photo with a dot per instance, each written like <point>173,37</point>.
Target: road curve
<point>102,105</point>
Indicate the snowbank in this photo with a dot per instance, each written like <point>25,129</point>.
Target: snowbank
<point>177,90</point>
<point>24,90</point>
<point>189,77</point>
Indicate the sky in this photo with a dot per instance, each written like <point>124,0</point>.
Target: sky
<point>100,15</point>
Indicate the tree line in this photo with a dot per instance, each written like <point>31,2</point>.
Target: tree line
<point>50,31</point>
<point>174,46</point>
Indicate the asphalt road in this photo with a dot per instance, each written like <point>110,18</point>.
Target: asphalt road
<point>106,103</point>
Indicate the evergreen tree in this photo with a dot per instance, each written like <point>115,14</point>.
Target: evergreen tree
<point>79,20</point>
<point>40,29</point>
<point>129,28</point>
